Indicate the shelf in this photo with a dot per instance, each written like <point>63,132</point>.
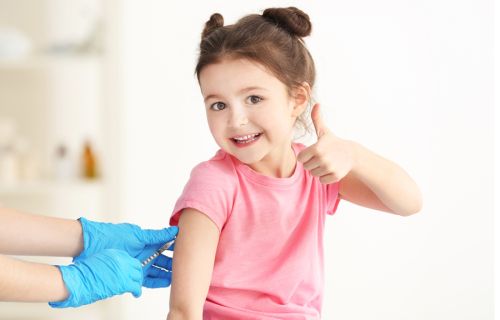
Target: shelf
<point>50,60</point>
<point>47,187</point>
<point>58,98</point>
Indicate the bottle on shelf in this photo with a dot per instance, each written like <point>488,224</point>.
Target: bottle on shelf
<point>63,168</point>
<point>89,162</point>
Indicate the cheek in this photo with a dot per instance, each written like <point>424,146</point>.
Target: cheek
<point>215,126</point>
<point>278,119</point>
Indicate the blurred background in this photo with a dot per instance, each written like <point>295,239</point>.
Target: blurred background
<point>101,116</point>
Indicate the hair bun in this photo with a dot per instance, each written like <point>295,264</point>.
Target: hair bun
<point>216,21</point>
<point>291,19</point>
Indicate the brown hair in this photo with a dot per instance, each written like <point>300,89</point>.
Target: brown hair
<point>273,39</point>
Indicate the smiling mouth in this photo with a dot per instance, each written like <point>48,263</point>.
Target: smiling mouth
<point>246,138</point>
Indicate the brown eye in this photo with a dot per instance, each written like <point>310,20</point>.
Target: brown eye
<point>218,106</point>
<point>254,99</point>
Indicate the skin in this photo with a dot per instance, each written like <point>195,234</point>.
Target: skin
<point>28,281</point>
<point>58,237</point>
<point>364,177</point>
<point>235,107</point>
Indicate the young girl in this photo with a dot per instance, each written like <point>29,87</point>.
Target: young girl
<point>251,219</point>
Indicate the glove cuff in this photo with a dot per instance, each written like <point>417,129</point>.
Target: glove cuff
<point>86,232</point>
<point>72,286</point>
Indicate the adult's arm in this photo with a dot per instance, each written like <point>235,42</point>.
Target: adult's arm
<point>30,282</point>
<point>29,234</point>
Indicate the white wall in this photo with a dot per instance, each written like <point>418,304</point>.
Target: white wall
<point>411,80</point>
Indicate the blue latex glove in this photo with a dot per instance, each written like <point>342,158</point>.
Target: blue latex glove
<point>128,237</point>
<point>100,276</point>
<point>156,274</point>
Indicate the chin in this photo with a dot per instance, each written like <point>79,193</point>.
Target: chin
<point>247,159</point>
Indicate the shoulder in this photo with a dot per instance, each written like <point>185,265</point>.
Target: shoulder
<point>219,170</point>
<point>219,164</point>
<point>211,189</point>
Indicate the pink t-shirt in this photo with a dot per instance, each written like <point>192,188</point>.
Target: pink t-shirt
<point>269,260</point>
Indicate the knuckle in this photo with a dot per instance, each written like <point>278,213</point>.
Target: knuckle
<point>316,149</point>
<point>330,169</point>
<point>319,151</point>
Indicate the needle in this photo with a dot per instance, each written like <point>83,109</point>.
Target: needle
<point>157,253</point>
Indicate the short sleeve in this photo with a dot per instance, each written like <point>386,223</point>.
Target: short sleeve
<point>210,190</point>
<point>333,198</point>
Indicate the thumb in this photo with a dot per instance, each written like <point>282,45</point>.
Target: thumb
<point>319,126</point>
<point>137,291</point>
<point>159,236</point>
<point>147,252</point>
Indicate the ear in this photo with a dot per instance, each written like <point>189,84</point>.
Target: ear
<point>300,96</point>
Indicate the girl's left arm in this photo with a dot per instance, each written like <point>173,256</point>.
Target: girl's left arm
<point>364,177</point>
<point>380,184</point>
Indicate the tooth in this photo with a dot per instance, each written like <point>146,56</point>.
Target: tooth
<point>249,136</point>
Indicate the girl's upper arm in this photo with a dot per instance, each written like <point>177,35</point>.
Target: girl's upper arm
<point>193,263</point>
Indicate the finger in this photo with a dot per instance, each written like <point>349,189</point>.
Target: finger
<point>154,272</point>
<point>320,171</point>
<point>313,163</point>
<point>136,273</point>
<point>317,120</point>
<point>306,154</point>
<point>159,236</point>
<point>329,178</point>
<point>147,252</point>
<point>154,283</point>
<point>163,262</point>
<point>136,291</point>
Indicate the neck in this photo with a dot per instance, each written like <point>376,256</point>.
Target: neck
<point>279,164</point>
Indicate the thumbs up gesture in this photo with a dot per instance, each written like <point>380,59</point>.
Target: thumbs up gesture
<point>330,158</point>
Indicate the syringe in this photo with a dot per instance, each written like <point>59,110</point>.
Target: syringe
<point>157,253</point>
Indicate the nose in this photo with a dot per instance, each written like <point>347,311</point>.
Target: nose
<point>237,117</point>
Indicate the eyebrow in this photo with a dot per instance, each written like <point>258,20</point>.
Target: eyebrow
<point>210,96</point>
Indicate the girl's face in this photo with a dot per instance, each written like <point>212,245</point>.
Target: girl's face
<point>249,111</point>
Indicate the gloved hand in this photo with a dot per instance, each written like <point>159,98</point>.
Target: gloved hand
<point>156,274</point>
<point>128,237</point>
<point>102,275</point>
